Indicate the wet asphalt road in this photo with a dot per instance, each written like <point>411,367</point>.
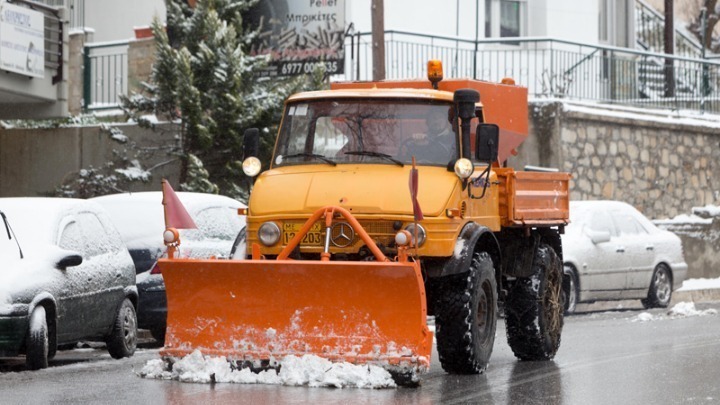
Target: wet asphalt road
<point>604,358</point>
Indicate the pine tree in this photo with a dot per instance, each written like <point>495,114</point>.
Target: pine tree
<point>205,79</point>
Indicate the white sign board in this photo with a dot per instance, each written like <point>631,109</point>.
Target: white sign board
<point>22,40</point>
<point>299,35</point>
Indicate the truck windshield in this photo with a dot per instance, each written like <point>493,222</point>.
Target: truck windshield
<point>367,131</point>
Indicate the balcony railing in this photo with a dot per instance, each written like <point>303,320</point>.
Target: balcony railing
<point>105,74</point>
<point>548,67</point>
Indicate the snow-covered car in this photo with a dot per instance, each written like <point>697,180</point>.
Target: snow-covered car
<point>139,218</point>
<point>65,277</point>
<point>613,252</point>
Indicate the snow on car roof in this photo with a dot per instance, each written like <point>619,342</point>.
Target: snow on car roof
<point>129,209</point>
<point>34,218</point>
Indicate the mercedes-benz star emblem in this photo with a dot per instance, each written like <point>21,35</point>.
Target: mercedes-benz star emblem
<point>342,234</point>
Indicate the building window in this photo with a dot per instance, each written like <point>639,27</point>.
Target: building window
<point>505,18</point>
<point>510,18</point>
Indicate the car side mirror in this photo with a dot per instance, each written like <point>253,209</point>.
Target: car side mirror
<point>71,260</point>
<point>598,236</point>
<point>486,142</point>
<point>251,143</point>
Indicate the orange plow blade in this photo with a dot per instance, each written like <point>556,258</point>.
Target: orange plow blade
<point>255,312</point>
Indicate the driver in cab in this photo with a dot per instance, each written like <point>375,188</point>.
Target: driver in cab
<point>437,144</point>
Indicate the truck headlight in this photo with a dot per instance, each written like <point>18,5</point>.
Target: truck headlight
<point>421,235</point>
<point>269,233</point>
<point>251,166</point>
<point>464,168</point>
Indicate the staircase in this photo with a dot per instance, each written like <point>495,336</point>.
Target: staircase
<point>649,24</point>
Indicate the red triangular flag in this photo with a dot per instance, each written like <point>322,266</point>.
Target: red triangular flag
<point>176,216</point>
<point>413,182</point>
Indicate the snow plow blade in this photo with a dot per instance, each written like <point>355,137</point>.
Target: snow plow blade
<point>255,312</point>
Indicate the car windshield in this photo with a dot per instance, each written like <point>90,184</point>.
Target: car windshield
<point>367,131</point>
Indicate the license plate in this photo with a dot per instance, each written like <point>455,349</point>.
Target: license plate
<point>315,235</point>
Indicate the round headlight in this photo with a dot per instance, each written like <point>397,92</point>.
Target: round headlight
<point>464,168</point>
<point>269,233</point>
<point>421,233</point>
<point>251,166</point>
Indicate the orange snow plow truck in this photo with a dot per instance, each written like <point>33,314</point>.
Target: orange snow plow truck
<point>385,202</point>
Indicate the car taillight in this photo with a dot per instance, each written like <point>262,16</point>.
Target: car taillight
<point>155,269</point>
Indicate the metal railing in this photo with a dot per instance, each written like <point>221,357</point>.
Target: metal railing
<point>105,74</point>
<point>549,68</point>
<point>53,29</point>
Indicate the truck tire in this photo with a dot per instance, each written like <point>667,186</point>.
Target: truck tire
<point>466,317</point>
<point>37,344</point>
<point>122,341</point>
<point>660,291</point>
<point>534,308</point>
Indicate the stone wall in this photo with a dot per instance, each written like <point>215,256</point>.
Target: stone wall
<point>141,57</point>
<point>662,165</point>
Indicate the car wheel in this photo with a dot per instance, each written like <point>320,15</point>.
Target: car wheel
<point>570,289</point>
<point>660,290</point>
<point>534,310</point>
<point>37,344</point>
<point>123,338</point>
<point>466,317</point>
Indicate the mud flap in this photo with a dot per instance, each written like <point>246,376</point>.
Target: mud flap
<point>258,311</point>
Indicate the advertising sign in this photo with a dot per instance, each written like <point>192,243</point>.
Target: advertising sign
<point>22,40</point>
<point>301,34</point>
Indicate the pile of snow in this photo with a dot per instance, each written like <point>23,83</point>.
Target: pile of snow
<point>680,310</point>
<point>309,370</point>
<point>700,284</point>
<point>684,219</point>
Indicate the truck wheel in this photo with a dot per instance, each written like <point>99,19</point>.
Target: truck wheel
<point>534,308</point>
<point>466,317</point>
<point>123,338</point>
<point>37,345</point>
<point>660,290</point>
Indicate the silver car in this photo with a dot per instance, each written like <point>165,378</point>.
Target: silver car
<point>612,252</point>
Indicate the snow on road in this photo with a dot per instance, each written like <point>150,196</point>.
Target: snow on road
<point>680,310</point>
<point>309,370</point>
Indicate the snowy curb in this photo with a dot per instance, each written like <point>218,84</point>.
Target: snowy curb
<point>696,295</point>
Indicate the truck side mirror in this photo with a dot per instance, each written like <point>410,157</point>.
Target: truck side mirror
<point>486,143</point>
<point>251,143</point>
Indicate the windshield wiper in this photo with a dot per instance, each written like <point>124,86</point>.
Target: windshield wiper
<point>312,155</point>
<point>11,233</point>
<point>375,154</point>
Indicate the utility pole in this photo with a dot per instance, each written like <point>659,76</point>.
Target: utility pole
<point>378,39</point>
<point>669,39</point>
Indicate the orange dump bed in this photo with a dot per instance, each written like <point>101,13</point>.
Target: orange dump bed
<point>533,198</point>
